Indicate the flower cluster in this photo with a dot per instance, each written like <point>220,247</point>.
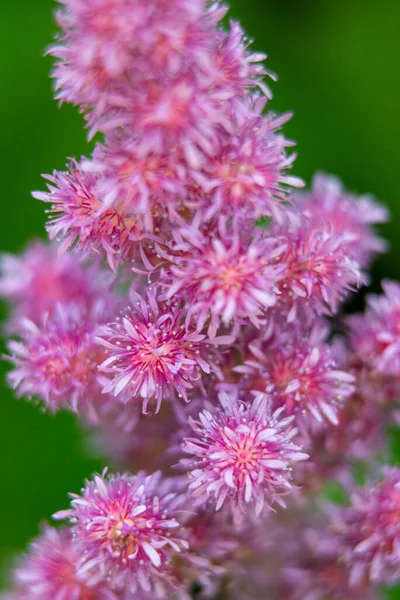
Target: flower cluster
<point>183,311</point>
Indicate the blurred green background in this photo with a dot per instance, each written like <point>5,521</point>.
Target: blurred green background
<point>338,71</point>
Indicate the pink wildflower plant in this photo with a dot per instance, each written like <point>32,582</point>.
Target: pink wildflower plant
<point>225,289</point>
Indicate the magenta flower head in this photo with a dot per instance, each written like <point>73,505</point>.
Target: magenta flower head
<point>241,455</point>
<point>248,176</point>
<point>369,529</point>
<point>297,368</point>
<point>128,529</point>
<point>56,361</point>
<point>50,571</point>
<point>161,70</point>
<point>82,221</point>
<point>35,282</point>
<point>150,190</point>
<point>320,272</point>
<point>152,352</point>
<point>311,562</point>
<point>358,436</point>
<point>224,280</point>
<point>102,42</point>
<point>347,214</point>
<point>375,335</point>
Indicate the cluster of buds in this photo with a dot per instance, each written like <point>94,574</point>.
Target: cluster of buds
<point>183,311</point>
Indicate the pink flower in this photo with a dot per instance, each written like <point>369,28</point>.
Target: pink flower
<point>128,529</point>
<point>135,440</point>
<point>147,188</point>
<point>247,177</point>
<point>295,556</point>
<point>56,361</point>
<point>50,571</point>
<point>328,202</point>
<point>40,278</point>
<point>161,70</point>
<point>241,455</point>
<point>152,352</point>
<point>311,559</point>
<point>297,369</point>
<point>319,269</point>
<point>104,41</point>
<point>369,529</point>
<point>358,436</point>
<point>375,335</point>
<point>225,278</point>
<point>82,221</point>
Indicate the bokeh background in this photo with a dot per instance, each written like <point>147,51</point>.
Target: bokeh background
<point>338,66</point>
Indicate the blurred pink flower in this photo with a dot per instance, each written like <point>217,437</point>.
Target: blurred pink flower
<point>40,278</point>
<point>50,571</point>
<point>164,71</point>
<point>56,360</point>
<point>347,214</point>
<point>375,335</point>
<point>369,530</point>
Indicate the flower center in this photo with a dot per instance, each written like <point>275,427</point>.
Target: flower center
<point>123,537</point>
<point>245,454</point>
